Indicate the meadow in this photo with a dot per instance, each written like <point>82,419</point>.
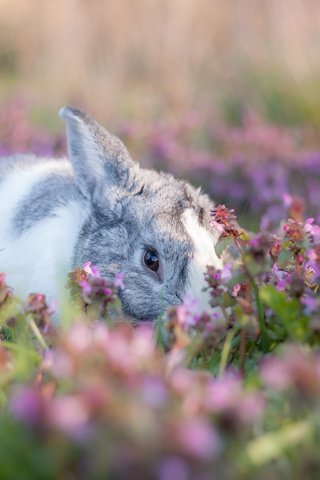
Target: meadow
<point>225,95</point>
<point>230,395</point>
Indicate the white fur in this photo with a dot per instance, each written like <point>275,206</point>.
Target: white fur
<point>39,259</point>
<point>16,186</point>
<point>204,255</point>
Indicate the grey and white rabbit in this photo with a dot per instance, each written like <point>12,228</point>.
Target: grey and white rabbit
<point>99,206</point>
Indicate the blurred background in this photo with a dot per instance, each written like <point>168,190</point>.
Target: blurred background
<point>149,57</point>
<point>170,76</point>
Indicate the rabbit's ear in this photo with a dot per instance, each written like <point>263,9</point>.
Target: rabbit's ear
<point>100,160</point>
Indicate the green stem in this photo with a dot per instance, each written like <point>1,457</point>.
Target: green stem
<point>260,309</point>
<point>226,351</point>
<point>271,445</point>
<point>260,312</point>
<point>19,348</point>
<point>37,333</point>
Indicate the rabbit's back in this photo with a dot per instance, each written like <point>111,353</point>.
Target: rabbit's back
<point>40,205</point>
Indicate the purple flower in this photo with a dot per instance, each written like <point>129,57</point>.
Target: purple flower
<point>226,397</point>
<point>287,199</point>
<point>118,280</point>
<point>154,392</point>
<point>265,222</point>
<point>108,292</point>
<point>236,290</point>
<point>296,369</point>
<point>226,272</point>
<point>282,278</point>
<point>26,404</point>
<point>91,270</point>
<point>197,438</point>
<point>86,287</point>
<point>311,304</point>
<point>173,468</point>
<point>223,393</point>
<point>188,312</point>
<point>313,229</point>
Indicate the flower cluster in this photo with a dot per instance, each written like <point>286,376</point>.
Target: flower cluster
<point>269,294</point>
<point>111,391</point>
<point>19,135</point>
<point>94,293</point>
<point>251,166</point>
<point>224,221</point>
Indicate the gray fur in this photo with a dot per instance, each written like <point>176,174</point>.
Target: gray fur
<point>53,192</point>
<point>130,209</point>
<point>151,219</point>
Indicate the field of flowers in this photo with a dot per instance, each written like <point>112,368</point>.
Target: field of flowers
<point>231,395</point>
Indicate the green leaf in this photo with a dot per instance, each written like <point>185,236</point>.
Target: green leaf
<point>222,244</point>
<point>287,310</point>
<point>272,445</point>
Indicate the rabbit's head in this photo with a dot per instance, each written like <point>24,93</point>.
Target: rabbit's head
<point>149,225</point>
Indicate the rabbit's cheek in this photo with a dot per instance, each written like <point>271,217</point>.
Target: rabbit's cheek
<point>204,254</point>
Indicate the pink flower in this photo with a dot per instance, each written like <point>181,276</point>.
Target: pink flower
<point>69,414</point>
<point>216,316</point>
<point>294,230</point>
<point>80,336</point>
<point>118,353</point>
<point>191,304</point>
<point>91,270</point>
<point>154,392</point>
<point>86,287</point>
<point>310,304</point>
<point>296,369</point>
<point>236,289</point>
<point>142,345</point>
<point>108,292</point>
<point>188,312</point>
<point>173,468</point>
<point>287,199</point>
<point>313,229</point>
<point>118,280</point>
<point>225,221</point>
<point>227,396</point>
<point>59,363</point>
<point>275,373</point>
<point>2,280</point>
<point>53,307</point>
<point>281,277</point>
<point>223,393</point>
<point>251,407</point>
<point>197,438</point>
<point>100,334</point>
<point>219,228</point>
<point>226,272</point>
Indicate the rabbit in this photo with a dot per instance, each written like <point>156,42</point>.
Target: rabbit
<point>100,206</point>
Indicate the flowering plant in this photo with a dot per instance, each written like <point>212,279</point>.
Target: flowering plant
<point>229,393</point>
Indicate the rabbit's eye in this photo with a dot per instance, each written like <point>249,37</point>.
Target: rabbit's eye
<point>151,260</point>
